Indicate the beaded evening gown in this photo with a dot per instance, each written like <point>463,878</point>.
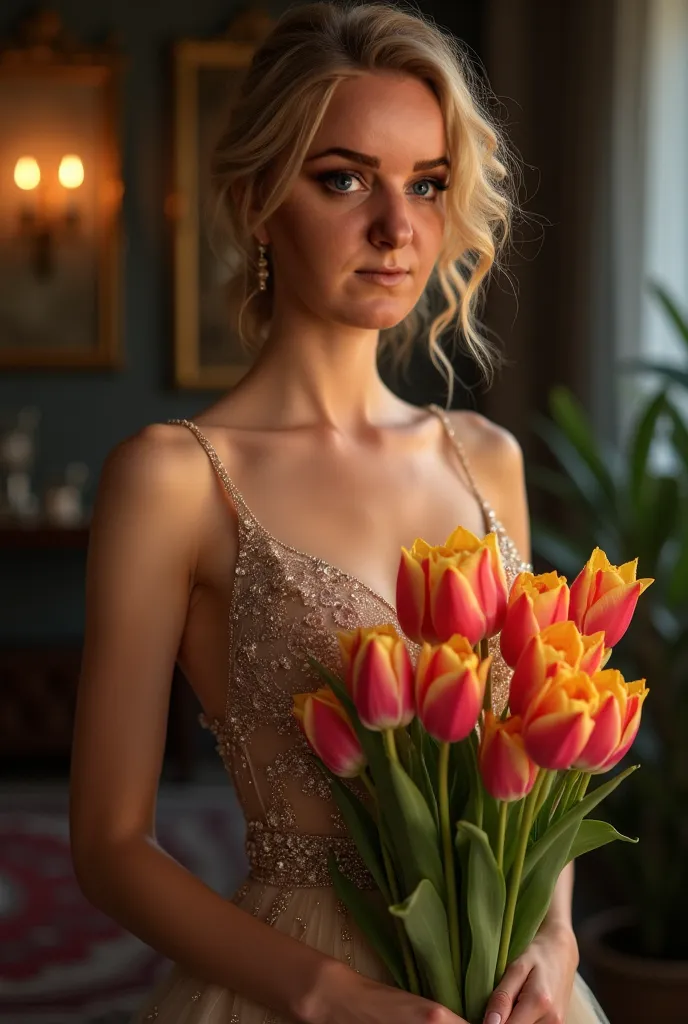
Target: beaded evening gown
<point>286,605</point>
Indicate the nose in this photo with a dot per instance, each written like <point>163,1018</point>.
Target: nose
<point>391,224</point>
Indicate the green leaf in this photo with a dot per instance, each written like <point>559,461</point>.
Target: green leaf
<point>671,373</point>
<point>536,890</point>
<point>679,319</point>
<point>421,850</point>
<point>462,774</point>
<point>419,770</point>
<point>657,514</point>
<point>425,920</point>
<point>363,830</point>
<point>485,895</point>
<point>679,432</point>
<point>645,432</point>
<point>593,834</point>
<point>373,921</point>
<point>572,418</point>
<point>592,495</point>
<point>573,817</point>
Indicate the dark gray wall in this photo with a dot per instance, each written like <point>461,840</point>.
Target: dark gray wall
<point>85,413</point>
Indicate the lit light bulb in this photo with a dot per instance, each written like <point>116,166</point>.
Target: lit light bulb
<point>27,173</point>
<point>71,171</point>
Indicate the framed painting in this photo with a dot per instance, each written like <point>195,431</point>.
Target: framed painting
<point>60,201</point>
<point>206,353</point>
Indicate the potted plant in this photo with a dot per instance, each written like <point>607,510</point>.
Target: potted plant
<point>618,496</point>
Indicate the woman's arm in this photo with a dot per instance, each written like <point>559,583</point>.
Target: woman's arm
<point>140,572</point>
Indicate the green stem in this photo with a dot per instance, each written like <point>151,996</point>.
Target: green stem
<point>390,745</point>
<point>572,780</point>
<point>583,786</point>
<point>544,791</point>
<point>515,877</point>
<point>556,799</point>
<point>449,869</point>
<point>479,803</point>
<point>501,833</point>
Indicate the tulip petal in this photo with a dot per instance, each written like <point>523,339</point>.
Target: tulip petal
<point>605,736</point>
<point>411,597</point>
<point>452,705</point>
<point>555,740</point>
<point>528,676</point>
<point>613,613</point>
<point>505,768</point>
<point>332,737</point>
<point>454,607</point>
<point>520,625</point>
<point>579,593</point>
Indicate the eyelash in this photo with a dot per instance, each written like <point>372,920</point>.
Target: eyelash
<point>441,186</point>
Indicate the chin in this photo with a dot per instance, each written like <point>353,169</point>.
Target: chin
<point>379,319</point>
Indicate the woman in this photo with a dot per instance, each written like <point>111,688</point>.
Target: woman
<point>356,169</point>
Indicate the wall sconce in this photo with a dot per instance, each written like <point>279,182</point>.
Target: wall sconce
<point>60,199</point>
<point>41,221</point>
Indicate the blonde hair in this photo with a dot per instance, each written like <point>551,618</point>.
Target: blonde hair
<point>276,114</point>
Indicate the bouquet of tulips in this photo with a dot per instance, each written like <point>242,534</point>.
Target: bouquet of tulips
<point>470,810</point>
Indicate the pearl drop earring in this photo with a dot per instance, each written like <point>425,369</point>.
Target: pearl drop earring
<point>262,268</point>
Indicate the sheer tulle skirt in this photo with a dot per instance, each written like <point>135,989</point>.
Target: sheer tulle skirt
<point>313,916</point>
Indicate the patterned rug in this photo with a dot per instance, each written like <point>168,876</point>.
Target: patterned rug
<point>61,960</point>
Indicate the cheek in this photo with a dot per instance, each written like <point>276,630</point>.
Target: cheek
<point>317,237</point>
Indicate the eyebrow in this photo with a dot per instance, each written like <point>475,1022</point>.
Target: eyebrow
<point>374,161</point>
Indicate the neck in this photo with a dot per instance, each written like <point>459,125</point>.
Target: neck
<point>328,377</point>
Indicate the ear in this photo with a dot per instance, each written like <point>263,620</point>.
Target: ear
<point>237,191</point>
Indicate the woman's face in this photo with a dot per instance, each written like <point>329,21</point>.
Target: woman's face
<point>379,205</point>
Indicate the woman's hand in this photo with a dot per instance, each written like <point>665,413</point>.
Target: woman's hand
<point>344,997</point>
<point>536,987</point>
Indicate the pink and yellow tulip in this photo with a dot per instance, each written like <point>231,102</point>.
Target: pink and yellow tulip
<point>508,773</point>
<point>558,722</point>
<point>604,596</point>
<point>450,688</point>
<point>329,731</point>
<point>616,721</point>
<point>559,643</point>
<point>379,676</point>
<point>535,602</point>
<point>458,587</point>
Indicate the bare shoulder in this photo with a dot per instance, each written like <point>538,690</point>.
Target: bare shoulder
<point>487,442</point>
<point>152,484</point>
<point>496,459</point>
<point>161,461</point>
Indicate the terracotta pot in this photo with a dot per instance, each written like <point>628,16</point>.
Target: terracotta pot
<point>631,989</point>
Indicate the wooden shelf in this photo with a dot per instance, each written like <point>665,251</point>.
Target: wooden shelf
<point>43,536</point>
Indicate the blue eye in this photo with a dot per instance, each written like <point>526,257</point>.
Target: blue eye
<point>328,176</point>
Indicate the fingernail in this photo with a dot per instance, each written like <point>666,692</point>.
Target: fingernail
<point>493,1018</point>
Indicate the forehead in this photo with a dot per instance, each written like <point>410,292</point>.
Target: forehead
<point>384,114</point>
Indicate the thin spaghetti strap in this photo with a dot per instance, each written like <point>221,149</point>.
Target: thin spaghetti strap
<point>244,513</point>
<point>490,514</point>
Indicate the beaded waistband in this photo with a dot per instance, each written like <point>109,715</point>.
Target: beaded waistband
<point>297,859</point>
